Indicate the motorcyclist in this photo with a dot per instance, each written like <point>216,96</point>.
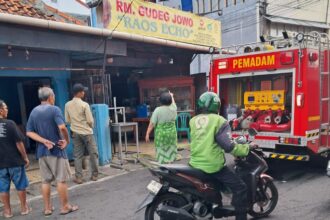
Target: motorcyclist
<point>210,139</point>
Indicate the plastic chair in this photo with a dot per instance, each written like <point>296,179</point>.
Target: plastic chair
<point>182,124</point>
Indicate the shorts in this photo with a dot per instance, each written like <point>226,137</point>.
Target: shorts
<point>54,169</point>
<point>15,174</point>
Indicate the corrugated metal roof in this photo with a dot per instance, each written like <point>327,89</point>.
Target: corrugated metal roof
<point>298,22</point>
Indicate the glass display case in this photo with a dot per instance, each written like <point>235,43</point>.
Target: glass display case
<point>182,87</point>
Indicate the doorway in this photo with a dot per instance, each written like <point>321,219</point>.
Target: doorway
<point>21,96</point>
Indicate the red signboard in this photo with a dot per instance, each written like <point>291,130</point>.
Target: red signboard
<point>264,61</point>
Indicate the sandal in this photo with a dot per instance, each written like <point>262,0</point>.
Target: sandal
<point>6,215</point>
<point>28,211</point>
<point>49,212</point>
<point>72,208</point>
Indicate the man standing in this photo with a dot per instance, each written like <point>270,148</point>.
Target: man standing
<point>79,116</point>
<point>12,161</point>
<point>47,127</point>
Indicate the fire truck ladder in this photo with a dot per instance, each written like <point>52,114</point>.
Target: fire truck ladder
<point>324,47</point>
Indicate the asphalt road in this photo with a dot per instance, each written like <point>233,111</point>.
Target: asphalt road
<point>304,194</point>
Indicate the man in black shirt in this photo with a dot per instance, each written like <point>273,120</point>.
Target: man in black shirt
<point>13,161</point>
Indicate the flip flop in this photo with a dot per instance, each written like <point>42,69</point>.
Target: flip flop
<point>6,216</point>
<point>28,211</point>
<point>48,213</point>
<point>72,208</point>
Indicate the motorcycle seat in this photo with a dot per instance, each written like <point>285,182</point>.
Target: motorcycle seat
<point>186,169</point>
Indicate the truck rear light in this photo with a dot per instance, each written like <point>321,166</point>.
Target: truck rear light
<point>288,140</point>
<point>300,99</point>
<point>287,58</point>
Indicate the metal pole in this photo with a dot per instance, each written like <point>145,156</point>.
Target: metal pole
<point>328,84</point>
<point>104,66</point>
<point>327,13</point>
<point>115,108</point>
<point>91,84</point>
<point>109,89</point>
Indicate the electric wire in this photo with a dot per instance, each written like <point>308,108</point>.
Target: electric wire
<point>118,23</point>
<point>275,10</point>
<point>252,21</point>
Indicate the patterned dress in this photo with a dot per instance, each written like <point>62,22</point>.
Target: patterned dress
<point>163,119</point>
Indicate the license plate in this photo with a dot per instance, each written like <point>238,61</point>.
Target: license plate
<point>154,187</point>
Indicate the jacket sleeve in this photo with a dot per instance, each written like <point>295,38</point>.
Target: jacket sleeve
<point>224,140</point>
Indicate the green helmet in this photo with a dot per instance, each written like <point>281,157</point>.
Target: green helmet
<point>209,102</point>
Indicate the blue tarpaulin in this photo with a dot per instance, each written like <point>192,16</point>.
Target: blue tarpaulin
<point>186,5</point>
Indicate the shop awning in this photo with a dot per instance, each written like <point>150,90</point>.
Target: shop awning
<point>282,20</point>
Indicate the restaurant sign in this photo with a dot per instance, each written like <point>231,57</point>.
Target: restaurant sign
<point>154,20</point>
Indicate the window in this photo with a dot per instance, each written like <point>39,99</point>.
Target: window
<point>203,4</point>
<point>206,6</point>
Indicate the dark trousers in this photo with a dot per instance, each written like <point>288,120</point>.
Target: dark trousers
<point>238,188</point>
<point>82,144</point>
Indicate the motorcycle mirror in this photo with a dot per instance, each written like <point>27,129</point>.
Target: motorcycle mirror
<point>252,132</point>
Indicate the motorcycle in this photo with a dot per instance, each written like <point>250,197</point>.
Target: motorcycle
<point>185,193</point>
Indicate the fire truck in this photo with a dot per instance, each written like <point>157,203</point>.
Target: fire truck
<point>282,89</point>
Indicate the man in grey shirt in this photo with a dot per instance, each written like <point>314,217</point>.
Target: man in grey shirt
<point>79,116</point>
<point>47,127</point>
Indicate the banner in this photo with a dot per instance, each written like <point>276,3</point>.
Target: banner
<point>153,20</point>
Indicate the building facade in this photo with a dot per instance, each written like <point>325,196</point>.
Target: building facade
<point>294,16</point>
<point>243,21</point>
<point>36,53</point>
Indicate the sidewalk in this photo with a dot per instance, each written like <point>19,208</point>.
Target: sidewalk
<point>147,152</point>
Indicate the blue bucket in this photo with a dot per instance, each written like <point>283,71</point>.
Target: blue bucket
<point>142,111</point>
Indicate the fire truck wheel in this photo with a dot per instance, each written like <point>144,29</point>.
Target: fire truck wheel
<point>318,161</point>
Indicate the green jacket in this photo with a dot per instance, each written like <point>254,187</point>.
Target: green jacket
<point>210,139</point>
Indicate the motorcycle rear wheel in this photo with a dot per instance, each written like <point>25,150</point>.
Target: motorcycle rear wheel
<point>263,207</point>
<point>171,199</point>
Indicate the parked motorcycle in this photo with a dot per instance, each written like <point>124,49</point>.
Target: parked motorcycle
<point>185,193</point>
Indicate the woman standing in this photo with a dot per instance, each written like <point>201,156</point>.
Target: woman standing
<point>163,120</point>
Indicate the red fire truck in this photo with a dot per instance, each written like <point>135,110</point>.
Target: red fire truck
<point>282,90</point>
